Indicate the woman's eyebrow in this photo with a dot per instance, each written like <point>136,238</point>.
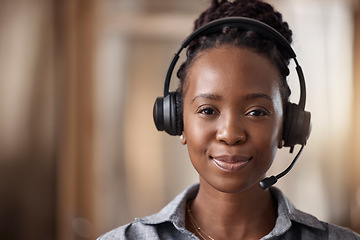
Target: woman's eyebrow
<point>252,96</point>
<point>208,96</point>
<point>216,97</point>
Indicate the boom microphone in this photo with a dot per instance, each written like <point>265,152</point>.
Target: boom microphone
<point>269,181</point>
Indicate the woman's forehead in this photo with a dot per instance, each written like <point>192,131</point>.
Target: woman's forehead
<point>232,68</point>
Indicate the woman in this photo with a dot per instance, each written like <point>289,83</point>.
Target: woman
<point>233,95</point>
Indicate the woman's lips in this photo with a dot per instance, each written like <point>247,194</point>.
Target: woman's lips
<point>231,163</point>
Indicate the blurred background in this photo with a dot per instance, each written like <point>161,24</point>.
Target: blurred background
<point>79,153</point>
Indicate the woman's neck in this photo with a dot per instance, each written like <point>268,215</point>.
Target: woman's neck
<point>250,214</point>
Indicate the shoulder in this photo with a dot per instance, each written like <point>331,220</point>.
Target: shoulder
<point>168,223</point>
<point>140,230</point>
<point>338,232</point>
<point>326,231</point>
<point>133,230</point>
<point>295,224</point>
<point>117,233</point>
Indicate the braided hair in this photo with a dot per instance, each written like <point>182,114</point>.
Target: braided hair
<point>255,9</point>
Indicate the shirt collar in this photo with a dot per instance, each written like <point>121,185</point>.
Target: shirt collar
<point>288,213</point>
<point>175,212</point>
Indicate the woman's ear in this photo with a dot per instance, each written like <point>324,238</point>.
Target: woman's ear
<point>183,139</point>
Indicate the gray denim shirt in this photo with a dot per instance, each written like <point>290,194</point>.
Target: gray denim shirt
<point>169,223</point>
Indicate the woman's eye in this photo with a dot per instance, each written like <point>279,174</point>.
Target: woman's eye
<point>207,111</point>
<point>258,113</point>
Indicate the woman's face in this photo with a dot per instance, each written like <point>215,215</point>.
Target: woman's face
<point>232,117</point>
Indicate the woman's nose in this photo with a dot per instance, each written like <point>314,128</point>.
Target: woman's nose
<point>231,131</point>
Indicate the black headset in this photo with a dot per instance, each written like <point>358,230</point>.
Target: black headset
<point>167,110</point>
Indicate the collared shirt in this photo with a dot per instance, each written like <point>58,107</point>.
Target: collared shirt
<point>169,223</point>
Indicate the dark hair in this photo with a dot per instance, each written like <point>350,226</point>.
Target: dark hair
<point>255,9</point>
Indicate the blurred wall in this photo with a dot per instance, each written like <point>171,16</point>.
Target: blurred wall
<point>355,165</point>
<point>27,120</point>
<point>79,153</point>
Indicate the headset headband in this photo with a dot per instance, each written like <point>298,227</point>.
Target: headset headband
<point>246,24</point>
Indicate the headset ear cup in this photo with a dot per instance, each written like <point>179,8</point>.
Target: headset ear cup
<point>179,115</point>
<point>287,124</point>
<point>170,114</point>
<point>158,113</point>
<point>307,127</point>
<point>297,125</point>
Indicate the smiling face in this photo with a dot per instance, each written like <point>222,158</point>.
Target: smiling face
<point>233,117</point>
